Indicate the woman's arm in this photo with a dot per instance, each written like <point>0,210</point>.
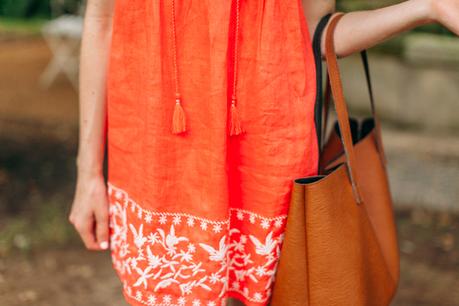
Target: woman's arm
<point>89,212</point>
<point>361,30</point>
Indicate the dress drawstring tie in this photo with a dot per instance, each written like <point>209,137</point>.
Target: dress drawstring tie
<point>179,117</point>
<point>235,127</point>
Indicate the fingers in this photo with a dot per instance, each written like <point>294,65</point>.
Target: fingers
<point>90,213</point>
<point>85,227</point>
<point>102,234</point>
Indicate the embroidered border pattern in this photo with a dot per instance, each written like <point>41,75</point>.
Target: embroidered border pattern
<point>166,258</point>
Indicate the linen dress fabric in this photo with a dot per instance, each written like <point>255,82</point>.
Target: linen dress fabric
<point>197,217</point>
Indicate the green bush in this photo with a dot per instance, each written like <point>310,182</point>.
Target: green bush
<point>25,8</point>
<point>37,8</point>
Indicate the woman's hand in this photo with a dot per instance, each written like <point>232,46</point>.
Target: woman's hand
<point>445,12</point>
<point>89,213</point>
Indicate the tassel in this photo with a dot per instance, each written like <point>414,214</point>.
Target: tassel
<point>178,119</point>
<point>235,122</point>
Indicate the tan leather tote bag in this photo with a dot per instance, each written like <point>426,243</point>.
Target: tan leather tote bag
<point>340,245</point>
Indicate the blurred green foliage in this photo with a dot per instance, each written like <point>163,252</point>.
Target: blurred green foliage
<point>43,226</point>
<point>37,8</point>
<point>19,27</point>
<point>25,8</point>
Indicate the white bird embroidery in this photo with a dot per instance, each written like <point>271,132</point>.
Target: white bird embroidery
<point>267,247</point>
<point>216,255</point>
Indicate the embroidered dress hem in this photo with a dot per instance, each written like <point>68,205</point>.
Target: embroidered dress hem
<point>235,257</point>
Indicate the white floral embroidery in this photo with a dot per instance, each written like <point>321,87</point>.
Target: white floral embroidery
<point>217,228</point>
<point>151,300</point>
<point>278,223</point>
<point>204,225</point>
<point>265,224</point>
<point>160,257</point>
<point>162,219</point>
<point>148,218</point>
<point>177,219</point>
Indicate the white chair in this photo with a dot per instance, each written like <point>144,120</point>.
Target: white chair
<point>63,36</point>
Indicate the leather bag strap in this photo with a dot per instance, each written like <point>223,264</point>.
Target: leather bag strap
<point>366,67</point>
<point>378,136</point>
<point>324,109</point>
<point>340,105</point>
<point>323,97</point>
<point>319,105</point>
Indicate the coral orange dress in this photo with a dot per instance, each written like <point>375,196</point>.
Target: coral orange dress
<point>210,109</point>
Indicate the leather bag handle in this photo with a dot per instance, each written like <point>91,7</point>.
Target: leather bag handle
<point>323,97</point>
<point>319,105</point>
<point>366,67</point>
<point>378,136</point>
<point>326,103</point>
<point>325,112</point>
<point>340,105</point>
